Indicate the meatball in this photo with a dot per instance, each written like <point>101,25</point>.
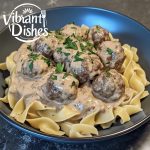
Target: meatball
<point>111,54</point>
<point>98,34</point>
<point>108,86</point>
<point>33,65</point>
<point>71,29</point>
<point>84,66</point>
<point>45,45</point>
<point>61,54</point>
<point>61,88</point>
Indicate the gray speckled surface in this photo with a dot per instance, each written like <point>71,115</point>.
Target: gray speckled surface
<point>13,139</point>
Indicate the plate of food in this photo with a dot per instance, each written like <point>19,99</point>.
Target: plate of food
<point>87,80</point>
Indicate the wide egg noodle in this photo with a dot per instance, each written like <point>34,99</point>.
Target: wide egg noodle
<point>78,130</point>
<point>135,75</point>
<point>10,62</point>
<point>4,99</point>
<point>67,112</point>
<point>105,117</point>
<point>90,118</point>
<point>21,111</point>
<point>45,125</point>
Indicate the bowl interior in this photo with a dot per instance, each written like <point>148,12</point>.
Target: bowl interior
<point>122,27</point>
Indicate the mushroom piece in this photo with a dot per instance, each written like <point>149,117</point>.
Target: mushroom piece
<point>108,86</point>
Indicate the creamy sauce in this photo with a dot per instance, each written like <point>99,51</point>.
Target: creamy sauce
<point>30,85</point>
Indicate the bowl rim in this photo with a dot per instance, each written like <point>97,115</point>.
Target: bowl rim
<point>56,138</point>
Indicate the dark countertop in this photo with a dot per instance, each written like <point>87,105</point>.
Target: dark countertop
<point>13,139</point>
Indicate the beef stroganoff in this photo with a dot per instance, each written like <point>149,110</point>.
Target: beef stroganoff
<point>73,80</point>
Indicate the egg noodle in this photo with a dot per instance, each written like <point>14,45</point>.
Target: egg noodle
<point>63,122</point>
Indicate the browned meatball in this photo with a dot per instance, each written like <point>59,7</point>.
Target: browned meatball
<point>98,34</point>
<point>61,88</point>
<point>84,66</point>
<point>71,29</point>
<point>111,54</point>
<point>45,45</point>
<point>61,54</point>
<point>108,86</point>
<point>32,68</point>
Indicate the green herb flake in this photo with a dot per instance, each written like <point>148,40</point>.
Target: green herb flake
<point>29,47</point>
<point>89,45</point>
<point>109,51</point>
<point>59,68</point>
<point>91,52</point>
<point>53,77</point>
<point>33,56</point>
<point>77,57</point>
<point>58,35</point>
<point>73,84</point>
<point>59,49</point>
<point>31,65</point>
<point>82,46</point>
<point>70,44</point>
<point>66,54</point>
<point>47,61</point>
<point>65,75</point>
<point>97,27</point>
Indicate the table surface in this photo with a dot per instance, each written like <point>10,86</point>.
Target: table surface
<point>14,139</point>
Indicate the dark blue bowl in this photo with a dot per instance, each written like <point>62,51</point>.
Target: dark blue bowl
<point>122,27</point>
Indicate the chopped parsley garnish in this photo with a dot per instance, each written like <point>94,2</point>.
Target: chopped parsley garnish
<point>31,65</point>
<point>66,54</point>
<point>70,44</point>
<point>91,52</point>
<point>32,58</point>
<point>65,75</point>
<point>82,46</point>
<point>73,84</point>
<point>59,49</point>
<point>59,68</point>
<point>58,35</point>
<point>97,27</point>
<point>54,77</point>
<point>47,61</point>
<point>29,47</point>
<point>87,46</point>
<point>77,57</point>
<point>109,51</point>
